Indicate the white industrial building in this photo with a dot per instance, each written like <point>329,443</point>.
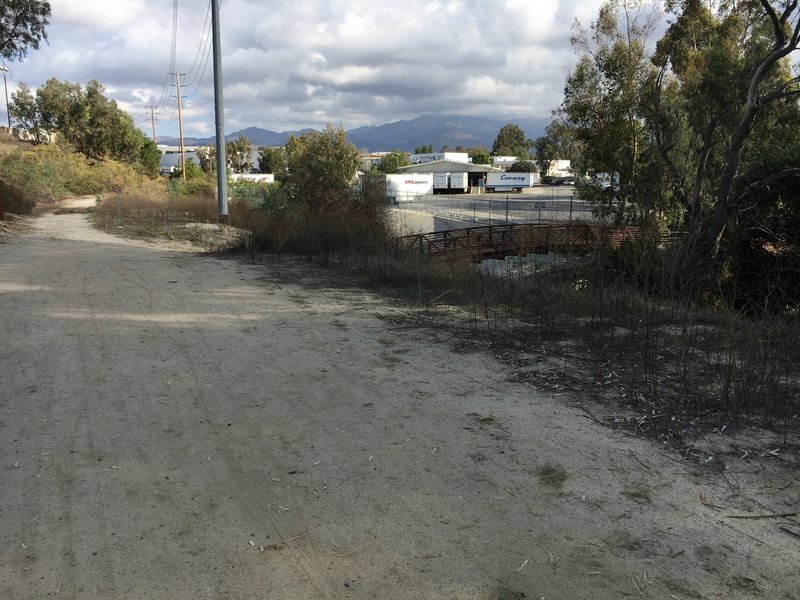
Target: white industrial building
<point>476,174</point>
<point>559,168</point>
<point>503,162</point>
<point>460,157</point>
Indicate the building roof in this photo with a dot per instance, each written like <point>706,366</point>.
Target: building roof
<point>448,166</point>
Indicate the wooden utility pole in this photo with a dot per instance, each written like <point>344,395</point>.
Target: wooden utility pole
<point>153,120</point>
<point>180,123</point>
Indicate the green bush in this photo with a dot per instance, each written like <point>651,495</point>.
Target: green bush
<point>47,173</point>
<point>258,194</point>
<point>34,173</point>
<point>200,187</point>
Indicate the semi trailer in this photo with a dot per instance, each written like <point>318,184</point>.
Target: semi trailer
<point>510,182</point>
<point>450,183</point>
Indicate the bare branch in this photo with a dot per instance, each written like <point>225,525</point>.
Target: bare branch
<point>756,186</point>
<point>782,93</point>
<point>776,22</point>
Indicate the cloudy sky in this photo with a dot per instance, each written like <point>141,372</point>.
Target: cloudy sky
<point>305,63</point>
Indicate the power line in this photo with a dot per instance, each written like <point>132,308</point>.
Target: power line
<point>193,79</point>
<point>202,47</point>
<point>165,90</point>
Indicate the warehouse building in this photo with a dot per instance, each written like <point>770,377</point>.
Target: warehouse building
<point>476,174</point>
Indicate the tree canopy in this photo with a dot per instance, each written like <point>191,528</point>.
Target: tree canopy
<point>272,160</point>
<point>322,166</point>
<point>558,143</point>
<point>391,162</point>
<point>522,166</point>
<point>700,128</point>
<point>479,156</point>
<point>84,118</point>
<point>238,154</point>
<point>511,141</point>
<point>23,25</point>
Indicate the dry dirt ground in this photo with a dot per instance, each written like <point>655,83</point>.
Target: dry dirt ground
<point>175,425</point>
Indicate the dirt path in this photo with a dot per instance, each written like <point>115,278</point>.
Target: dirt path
<point>178,426</point>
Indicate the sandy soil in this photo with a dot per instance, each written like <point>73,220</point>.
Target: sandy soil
<point>174,425</point>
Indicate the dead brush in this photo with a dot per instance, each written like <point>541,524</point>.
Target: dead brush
<point>637,313</point>
<point>325,235</point>
<point>161,216</point>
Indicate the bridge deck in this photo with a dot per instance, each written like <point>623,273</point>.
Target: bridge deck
<point>498,241</point>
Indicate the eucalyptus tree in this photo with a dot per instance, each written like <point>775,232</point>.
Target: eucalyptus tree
<point>239,155</point>
<point>23,25</point>
<point>511,141</point>
<point>24,111</point>
<point>773,37</point>
<point>602,103</point>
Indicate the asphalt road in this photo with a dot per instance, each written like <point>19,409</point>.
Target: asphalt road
<point>546,204</point>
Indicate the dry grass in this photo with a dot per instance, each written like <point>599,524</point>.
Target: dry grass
<point>159,216</point>
<point>630,330</point>
<point>9,143</point>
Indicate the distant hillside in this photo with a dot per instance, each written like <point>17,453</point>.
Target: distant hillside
<point>437,130</point>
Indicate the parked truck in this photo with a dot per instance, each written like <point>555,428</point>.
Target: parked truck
<point>450,183</point>
<point>510,182</point>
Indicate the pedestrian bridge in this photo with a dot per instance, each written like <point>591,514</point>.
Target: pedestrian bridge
<point>475,244</point>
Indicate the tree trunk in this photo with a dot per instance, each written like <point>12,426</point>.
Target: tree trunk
<point>724,206</point>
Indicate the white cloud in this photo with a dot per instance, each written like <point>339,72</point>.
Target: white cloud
<point>97,14</point>
<point>303,64</point>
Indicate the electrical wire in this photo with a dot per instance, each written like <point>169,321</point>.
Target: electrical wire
<point>165,90</point>
<point>167,114</point>
<point>201,48</point>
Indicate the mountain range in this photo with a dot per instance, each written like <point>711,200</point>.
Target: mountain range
<point>437,130</point>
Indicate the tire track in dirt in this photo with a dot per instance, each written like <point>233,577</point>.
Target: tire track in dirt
<point>254,499</point>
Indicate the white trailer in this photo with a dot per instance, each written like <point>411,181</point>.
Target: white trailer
<point>441,183</point>
<point>406,185</point>
<point>257,177</point>
<point>510,182</point>
<point>459,182</point>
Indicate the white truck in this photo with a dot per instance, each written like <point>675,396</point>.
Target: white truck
<point>510,182</point>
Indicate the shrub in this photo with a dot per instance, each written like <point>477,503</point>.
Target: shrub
<point>46,174</point>
<point>14,200</point>
<point>198,187</point>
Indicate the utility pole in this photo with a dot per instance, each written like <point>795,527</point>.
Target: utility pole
<point>153,120</point>
<point>219,116</point>
<point>5,85</point>
<point>180,123</point>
